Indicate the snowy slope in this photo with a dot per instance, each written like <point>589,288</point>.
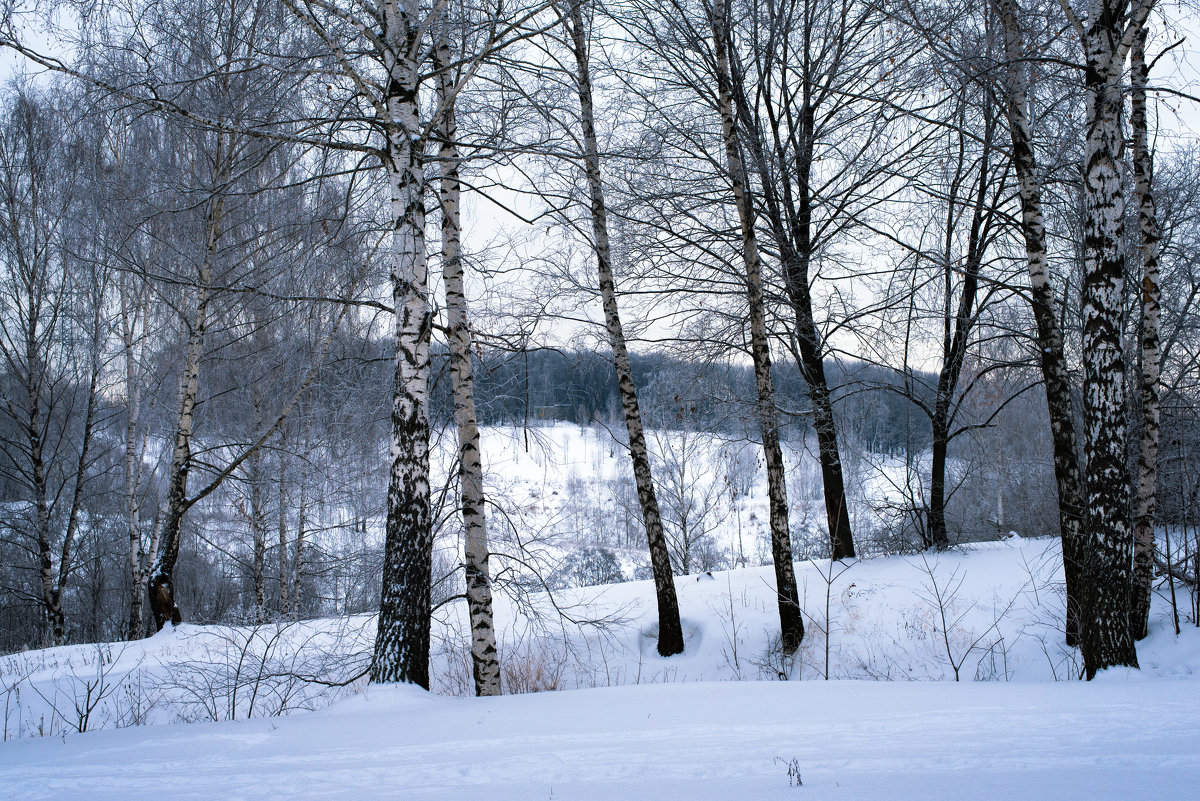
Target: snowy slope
<point>560,485</point>
<point>985,612</point>
<point>628,723</point>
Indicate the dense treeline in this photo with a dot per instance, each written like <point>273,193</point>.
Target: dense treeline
<point>579,387</point>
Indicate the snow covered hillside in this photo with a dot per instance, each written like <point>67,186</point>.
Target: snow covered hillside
<point>561,489</point>
<point>986,614</point>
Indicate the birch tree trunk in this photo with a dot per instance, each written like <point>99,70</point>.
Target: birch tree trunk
<point>1105,635</point>
<point>670,630</point>
<point>484,661</point>
<point>257,477</point>
<point>1055,377</point>
<point>162,585</point>
<point>298,558</point>
<point>791,621</point>
<point>258,529</point>
<point>402,643</point>
<point>132,464</point>
<point>281,504</point>
<point>1147,481</point>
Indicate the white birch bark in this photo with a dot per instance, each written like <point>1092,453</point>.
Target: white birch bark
<point>133,315</point>
<point>258,529</point>
<point>162,585</point>
<point>484,660</point>
<point>1105,638</point>
<point>402,643</point>
<point>1055,377</point>
<point>283,573</point>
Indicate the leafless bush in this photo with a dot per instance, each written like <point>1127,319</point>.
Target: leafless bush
<point>993,666</point>
<point>731,626</point>
<point>135,700</point>
<point>14,673</point>
<point>773,662</point>
<point>267,670</point>
<point>825,625</point>
<point>941,594</point>
<point>533,666</point>
<point>451,669</point>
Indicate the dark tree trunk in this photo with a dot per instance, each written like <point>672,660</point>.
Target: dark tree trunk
<point>790,220</point>
<point>791,621</point>
<point>670,630</point>
<point>936,531</point>
<point>956,330</point>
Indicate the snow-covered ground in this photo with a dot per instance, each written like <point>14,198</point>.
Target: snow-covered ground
<point>628,723</point>
<point>1113,739</point>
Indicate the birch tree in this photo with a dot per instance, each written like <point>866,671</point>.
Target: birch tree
<point>790,613</point>
<point>141,323</point>
<point>383,57</point>
<point>186,60</point>
<point>1145,498</point>
<point>1106,31</point>
<point>670,630</point>
<point>484,660</point>
<point>51,401</point>
<point>1043,299</point>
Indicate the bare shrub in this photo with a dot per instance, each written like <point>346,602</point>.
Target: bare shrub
<point>772,662</point>
<point>941,594</point>
<point>267,670</point>
<point>533,666</point>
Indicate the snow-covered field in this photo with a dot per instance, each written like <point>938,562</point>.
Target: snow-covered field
<point>1115,739</point>
<point>628,723</point>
